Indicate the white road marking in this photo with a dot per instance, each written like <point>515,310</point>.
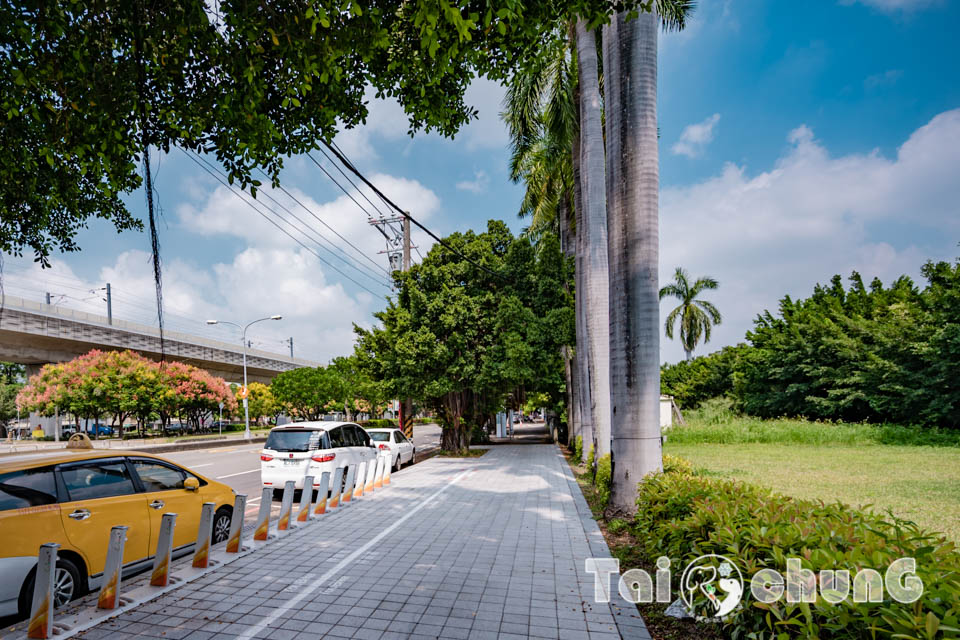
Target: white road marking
<point>279,611</point>
<point>197,466</point>
<point>230,475</point>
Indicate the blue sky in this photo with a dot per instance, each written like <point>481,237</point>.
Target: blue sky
<point>798,140</point>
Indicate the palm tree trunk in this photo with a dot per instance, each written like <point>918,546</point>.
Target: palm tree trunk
<point>581,371</point>
<point>597,287</point>
<point>630,70</point>
<point>689,354</point>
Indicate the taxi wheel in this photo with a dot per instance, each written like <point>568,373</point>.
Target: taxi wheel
<point>221,524</point>
<point>66,582</point>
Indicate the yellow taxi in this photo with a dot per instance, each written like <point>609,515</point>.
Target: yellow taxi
<point>73,497</point>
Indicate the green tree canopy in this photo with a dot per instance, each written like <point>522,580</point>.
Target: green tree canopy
<point>474,328</point>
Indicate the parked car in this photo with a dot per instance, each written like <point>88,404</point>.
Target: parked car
<point>299,449</point>
<point>400,447</point>
<point>75,496</point>
<point>99,429</point>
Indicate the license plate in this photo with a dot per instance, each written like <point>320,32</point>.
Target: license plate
<point>292,463</point>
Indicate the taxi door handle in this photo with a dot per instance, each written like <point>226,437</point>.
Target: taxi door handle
<point>157,504</point>
<point>80,514</point>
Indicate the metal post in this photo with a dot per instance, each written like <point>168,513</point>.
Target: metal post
<point>161,561</point>
<point>48,298</point>
<point>406,242</point>
<point>321,507</point>
<point>286,506</point>
<point>306,499</point>
<point>291,347</point>
<point>109,306</point>
<point>110,587</point>
<point>201,554</point>
<point>41,614</point>
<point>335,491</point>
<point>262,532</point>
<point>220,424</point>
<point>236,523</point>
<point>246,389</point>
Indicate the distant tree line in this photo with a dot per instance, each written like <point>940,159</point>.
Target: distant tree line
<point>855,353</point>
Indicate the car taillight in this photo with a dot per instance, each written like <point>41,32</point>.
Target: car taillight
<point>383,447</point>
<point>265,458</point>
<point>326,458</point>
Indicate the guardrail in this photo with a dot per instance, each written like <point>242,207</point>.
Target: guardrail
<point>111,602</point>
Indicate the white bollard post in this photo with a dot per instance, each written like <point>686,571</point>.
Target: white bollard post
<point>161,560</point>
<point>286,507</point>
<point>201,553</point>
<point>41,614</point>
<point>322,490</point>
<point>371,474</point>
<point>335,490</point>
<point>262,532</point>
<point>386,472</point>
<point>348,488</point>
<point>361,474</point>
<point>110,587</point>
<point>381,463</point>
<point>306,499</point>
<point>236,523</point>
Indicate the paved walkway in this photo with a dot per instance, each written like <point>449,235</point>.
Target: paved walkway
<point>489,547</point>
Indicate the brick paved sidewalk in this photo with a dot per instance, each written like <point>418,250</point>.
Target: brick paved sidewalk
<point>489,547</point>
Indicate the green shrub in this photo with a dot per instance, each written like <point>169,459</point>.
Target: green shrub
<point>578,449</point>
<point>603,479</point>
<point>377,423</point>
<point>479,435</point>
<point>683,516</point>
<point>590,458</point>
<point>676,464</point>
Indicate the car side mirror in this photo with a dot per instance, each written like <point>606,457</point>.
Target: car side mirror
<point>191,484</point>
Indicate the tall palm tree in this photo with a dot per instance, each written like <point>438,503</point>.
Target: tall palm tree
<point>633,176</point>
<point>596,270</point>
<point>697,317</point>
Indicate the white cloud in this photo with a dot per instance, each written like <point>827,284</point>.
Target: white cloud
<point>812,215</point>
<point>884,79</point>
<point>891,6</point>
<point>478,185</point>
<point>695,137</point>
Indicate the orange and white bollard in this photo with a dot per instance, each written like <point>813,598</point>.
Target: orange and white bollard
<point>201,553</point>
<point>348,487</point>
<point>322,490</point>
<point>386,472</point>
<point>371,473</point>
<point>262,530</point>
<point>41,614</point>
<point>286,506</point>
<point>335,490</point>
<point>110,587</point>
<point>361,474</point>
<point>381,464</point>
<point>161,560</point>
<point>236,524</point>
<point>306,499</point>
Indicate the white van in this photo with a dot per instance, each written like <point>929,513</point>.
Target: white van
<point>299,449</point>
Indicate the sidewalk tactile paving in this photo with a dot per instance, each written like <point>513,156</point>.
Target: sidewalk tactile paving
<point>498,554</point>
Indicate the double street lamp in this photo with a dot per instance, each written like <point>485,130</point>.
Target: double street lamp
<point>243,338</point>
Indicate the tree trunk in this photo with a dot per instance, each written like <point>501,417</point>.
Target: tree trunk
<point>689,354</point>
<point>630,68</point>
<point>571,394</point>
<point>585,430</point>
<point>597,287</point>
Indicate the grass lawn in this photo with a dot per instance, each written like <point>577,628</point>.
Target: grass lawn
<point>917,483</point>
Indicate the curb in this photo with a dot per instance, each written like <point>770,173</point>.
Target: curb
<point>193,446</point>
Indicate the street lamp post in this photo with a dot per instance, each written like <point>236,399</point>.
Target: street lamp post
<point>243,339</point>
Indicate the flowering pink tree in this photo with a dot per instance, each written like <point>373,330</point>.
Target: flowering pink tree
<point>193,394</point>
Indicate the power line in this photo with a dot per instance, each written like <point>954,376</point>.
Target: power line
<point>342,188</point>
<point>284,231</point>
<point>321,221</point>
<point>349,165</point>
<point>352,183</point>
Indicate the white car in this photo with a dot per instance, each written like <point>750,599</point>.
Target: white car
<point>392,440</point>
<point>302,449</point>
